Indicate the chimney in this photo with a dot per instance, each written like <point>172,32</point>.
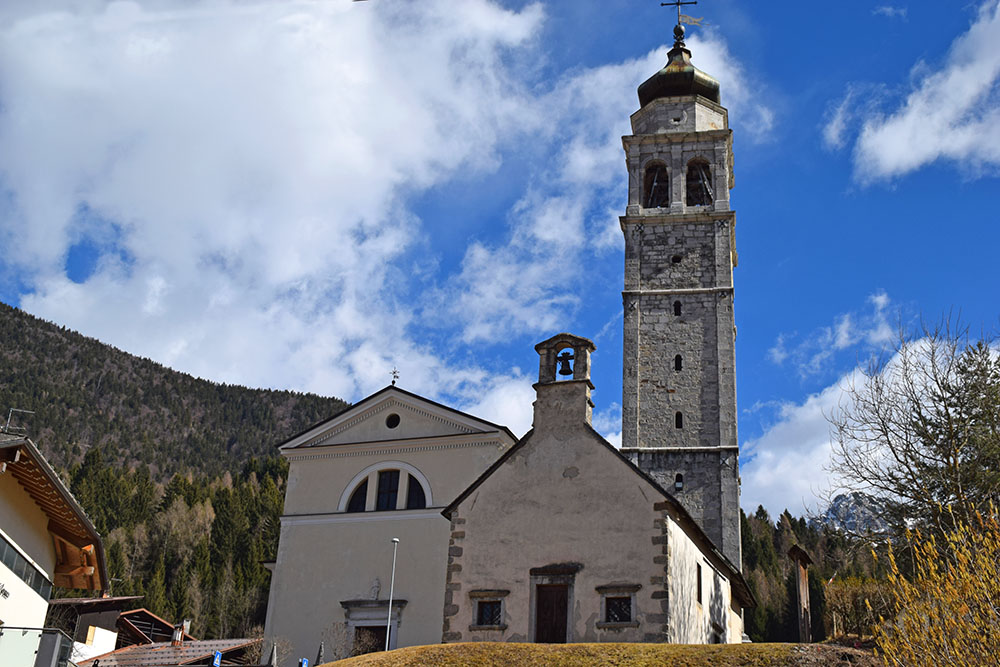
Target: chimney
<point>562,393</point>
<point>180,630</point>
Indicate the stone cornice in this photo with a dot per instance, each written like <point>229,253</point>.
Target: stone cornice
<point>359,517</point>
<point>688,138</point>
<point>324,437</point>
<point>460,441</point>
<point>654,450</point>
<point>704,216</point>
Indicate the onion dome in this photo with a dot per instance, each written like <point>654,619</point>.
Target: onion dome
<point>679,77</point>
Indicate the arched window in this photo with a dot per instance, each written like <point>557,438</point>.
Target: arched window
<point>415,499</point>
<point>397,486</point>
<point>677,308</point>
<point>359,498</point>
<point>656,186</point>
<point>388,490</point>
<point>678,420</point>
<point>678,363</point>
<point>699,183</point>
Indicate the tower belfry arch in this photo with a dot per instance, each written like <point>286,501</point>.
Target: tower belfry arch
<point>679,383</point>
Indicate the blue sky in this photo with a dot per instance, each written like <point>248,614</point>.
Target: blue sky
<point>305,194</point>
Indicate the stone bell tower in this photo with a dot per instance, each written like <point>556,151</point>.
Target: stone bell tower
<point>679,382</point>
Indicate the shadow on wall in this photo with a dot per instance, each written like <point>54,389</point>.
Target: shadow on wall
<point>718,607</point>
<point>706,622</point>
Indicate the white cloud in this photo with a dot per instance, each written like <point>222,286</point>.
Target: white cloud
<point>608,423</point>
<point>838,119</point>
<point>507,401</point>
<point>246,169</point>
<point>790,464</point>
<point>787,466</point>
<point>813,354</point>
<point>950,114</point>
<point>890,11</point>
<point>533,275</point>
<point>777,353</point>
<point>252,157</point>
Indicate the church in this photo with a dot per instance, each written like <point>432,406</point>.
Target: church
<point>407,522</point>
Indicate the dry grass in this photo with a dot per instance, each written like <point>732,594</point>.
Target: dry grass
<point>485,654</point>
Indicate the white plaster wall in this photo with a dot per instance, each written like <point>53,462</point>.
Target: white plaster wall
<point>691,622</point>
<point>24,608</point>
<point>101,641</point>
<point>25,523</point>
<point>559,501</point>
<point>318,476</point>
<point>414,423</point>
<point>319,565</point>
<point>325,556</point>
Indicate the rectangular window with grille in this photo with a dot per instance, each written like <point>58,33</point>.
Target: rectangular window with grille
<point>618,610</point>
<point>617,606</point>
<point>489,612</point>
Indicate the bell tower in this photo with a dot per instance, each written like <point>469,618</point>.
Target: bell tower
<point>679,381</point>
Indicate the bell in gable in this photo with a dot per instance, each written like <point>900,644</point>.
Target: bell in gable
<point>564,367</point>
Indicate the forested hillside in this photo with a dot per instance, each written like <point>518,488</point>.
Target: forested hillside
<point>192,547</point>
<point>180,475</point>
<point>85,393</point>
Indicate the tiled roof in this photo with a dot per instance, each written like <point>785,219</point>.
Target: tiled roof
<point>162,654</point>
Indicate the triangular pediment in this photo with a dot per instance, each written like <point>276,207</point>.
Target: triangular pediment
<point>391,414</point>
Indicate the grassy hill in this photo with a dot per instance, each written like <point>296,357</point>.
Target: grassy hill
<point>85,393</point>
<point>630,655</point>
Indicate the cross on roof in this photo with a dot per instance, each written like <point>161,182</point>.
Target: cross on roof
<point>678,4</point>
<point>395,375</point>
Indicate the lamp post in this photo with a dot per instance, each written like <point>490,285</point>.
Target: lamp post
<point>392,583</point>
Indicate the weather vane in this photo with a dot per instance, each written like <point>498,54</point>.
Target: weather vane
<point>395,375</point>
<point>683,18</point>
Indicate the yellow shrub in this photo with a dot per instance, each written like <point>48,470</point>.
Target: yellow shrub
<point>947,612</point>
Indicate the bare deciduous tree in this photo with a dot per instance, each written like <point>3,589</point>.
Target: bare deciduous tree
<point>920,430</point>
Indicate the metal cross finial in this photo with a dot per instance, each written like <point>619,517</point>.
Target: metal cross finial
<point>395,375</point>
<point>678,3</point>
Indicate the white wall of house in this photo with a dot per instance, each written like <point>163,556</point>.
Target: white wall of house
<point>99,641</point>
<point>24,525</point>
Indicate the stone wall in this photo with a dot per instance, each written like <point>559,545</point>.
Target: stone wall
<point>682,255</point>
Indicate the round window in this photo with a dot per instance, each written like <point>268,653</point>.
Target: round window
<point>392,421</point>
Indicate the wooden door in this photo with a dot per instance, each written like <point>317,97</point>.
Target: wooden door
<point>551,613</point>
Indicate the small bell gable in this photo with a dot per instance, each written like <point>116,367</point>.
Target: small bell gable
<point>563,388</point>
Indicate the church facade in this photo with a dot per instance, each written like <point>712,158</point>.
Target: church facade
<point>558,536</point>
<point>564,539</point>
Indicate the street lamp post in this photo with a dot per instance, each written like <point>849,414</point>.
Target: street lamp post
<point>392,584</point>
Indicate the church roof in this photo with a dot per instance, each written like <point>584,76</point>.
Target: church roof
<point>678,77</point>
<point>740,587</point>
<point>314,435</point>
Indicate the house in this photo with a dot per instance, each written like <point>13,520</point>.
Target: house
<point>46,540</point>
